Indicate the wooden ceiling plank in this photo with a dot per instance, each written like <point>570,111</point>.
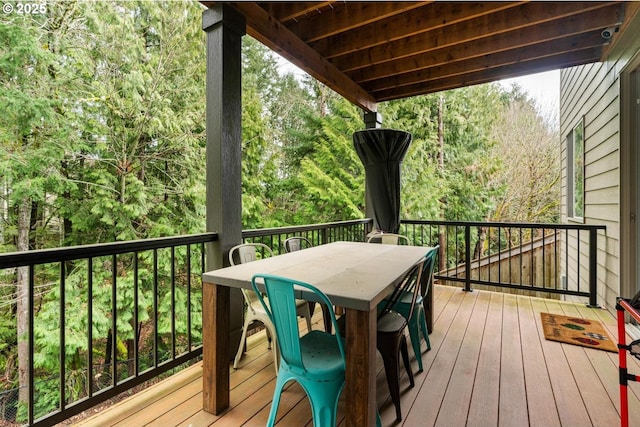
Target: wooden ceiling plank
<point>429,16</point>
<point>487,76</point>
<point>569,26</point>
<point>292,11</point>
<point>559,49</point>
<point>529,16</point>
<point>274,35</point>
<point>350,16</point>
<point>631,8</point>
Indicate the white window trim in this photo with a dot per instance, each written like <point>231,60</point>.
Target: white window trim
<point>571,184</point>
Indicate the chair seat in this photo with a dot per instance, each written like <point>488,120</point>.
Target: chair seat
<point>406,299</point>
<point>391,322</point>
<point>321,354</point>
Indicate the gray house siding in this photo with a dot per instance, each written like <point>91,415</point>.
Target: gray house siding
<point>592,93</point>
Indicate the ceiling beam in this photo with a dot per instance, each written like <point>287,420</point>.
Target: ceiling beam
<point>295,10</point>
<point>278,38</point>
<point>569,26</point>
<point>420,20</point>
<point>560,49</point>
<point>520,69</point>
<point>347,16</point>
<point>522,17</point>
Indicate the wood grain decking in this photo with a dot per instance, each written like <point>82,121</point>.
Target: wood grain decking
<point>489,366</point>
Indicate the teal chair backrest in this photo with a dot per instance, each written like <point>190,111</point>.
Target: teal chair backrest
<point>282,311</point>
<point>410,286</point>
<point>429,267</point>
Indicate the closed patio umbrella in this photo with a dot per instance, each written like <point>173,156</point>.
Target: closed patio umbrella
<point>381,152</point>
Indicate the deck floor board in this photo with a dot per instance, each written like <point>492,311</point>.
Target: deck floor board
<point>489,365</point>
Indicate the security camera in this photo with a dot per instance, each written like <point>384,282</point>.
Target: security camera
<point>607,33</point>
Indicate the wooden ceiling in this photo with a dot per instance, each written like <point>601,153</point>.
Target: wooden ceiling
<point>377,51</point>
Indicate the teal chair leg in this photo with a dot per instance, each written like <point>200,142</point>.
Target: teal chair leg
<point>418,323</point>
<point>324,401</point>
<point>281,381</point>
<point>423,327</point>
<point>323,398</point>
<point>414,334</point>
<point>378,419</point>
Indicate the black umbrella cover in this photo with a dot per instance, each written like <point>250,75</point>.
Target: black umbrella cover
<point>381,152</point>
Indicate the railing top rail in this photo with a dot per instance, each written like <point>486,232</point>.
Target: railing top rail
<point>557,226</point>
<point>302,228</point>
<point>44,256</point>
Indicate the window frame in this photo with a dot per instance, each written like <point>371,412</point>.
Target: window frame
<point>576,172</point>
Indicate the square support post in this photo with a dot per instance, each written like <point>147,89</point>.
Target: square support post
<point>372,120</point>
<point>224,28</point>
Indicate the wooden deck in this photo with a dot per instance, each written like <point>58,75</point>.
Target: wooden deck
<point>489,366</point>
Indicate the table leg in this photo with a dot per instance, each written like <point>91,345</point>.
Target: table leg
<point>360,387</point>
<point>215,347</point>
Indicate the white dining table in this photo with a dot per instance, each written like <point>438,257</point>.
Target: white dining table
<point>355,276</point>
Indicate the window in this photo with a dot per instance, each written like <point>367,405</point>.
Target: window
<point>575,172</point>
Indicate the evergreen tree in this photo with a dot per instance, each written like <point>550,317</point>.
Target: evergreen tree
<point>36,101</point>
<point>332,176</point>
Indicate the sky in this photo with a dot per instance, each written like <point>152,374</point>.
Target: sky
<point>543,88</point>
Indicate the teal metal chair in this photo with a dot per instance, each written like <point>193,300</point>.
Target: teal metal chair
<point>316,360</point>
<point>390,332</point>
<point>392,342</point>
<point>417,318</point>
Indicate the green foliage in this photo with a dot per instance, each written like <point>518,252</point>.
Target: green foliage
<point>102,139</point>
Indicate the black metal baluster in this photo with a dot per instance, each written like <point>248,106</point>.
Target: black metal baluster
<point>114,321</point>
<point>566,256</point>
<point>555,257</point>
<point>90,325</point>
<point>173,302</point>
<point>155,308</point>
<point>499,254</point>
<point>578,258</point>
<point>136,321</point>
<point>520,246</point>
<point>189,343</point>
<point>531,270</point>
<point>593,266</point>
<point>63,344</point>
<point>31,343</point>
<point>467,263</point>
<point>544,255</point>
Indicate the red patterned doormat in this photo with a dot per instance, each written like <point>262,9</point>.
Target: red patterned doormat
<point>578,331</point>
